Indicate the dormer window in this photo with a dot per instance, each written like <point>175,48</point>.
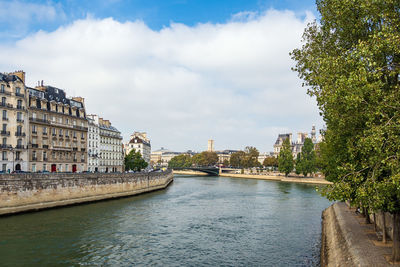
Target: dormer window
<point>2,88</point>
<point>18,90</point>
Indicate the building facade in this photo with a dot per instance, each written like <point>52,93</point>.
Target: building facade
<point>140,142</point>
<point>14,154</point>
<point>296,146</point>
<point>57,131</point>
<point>111,153</point>
<point>93,143</point>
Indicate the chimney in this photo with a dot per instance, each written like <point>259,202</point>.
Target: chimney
<point>20,74</point>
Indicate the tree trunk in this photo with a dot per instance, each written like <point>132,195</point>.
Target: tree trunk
<point>367,219</point>
<point>396,237</point>
<point>374,222</point>
<point>383,227</point>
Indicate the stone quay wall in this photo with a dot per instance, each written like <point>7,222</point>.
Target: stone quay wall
<point>34,191</point>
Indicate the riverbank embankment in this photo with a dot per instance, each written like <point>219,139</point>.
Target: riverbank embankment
<point>348,241</point>
<point>321,181</point>
<point>190,172</point>
<point>35,191</point>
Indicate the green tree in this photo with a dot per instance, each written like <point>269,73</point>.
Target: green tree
<point>270,162</point>
<point>308,158</point>
<point>251,158</point>
<point>210,158</point>
<point>351,64</point>
<point>226,162</point>
<point>134,161</point>
<point>198,159</point>
<point>299,168</point>
<point>285,159</point>
<point>237,159</point>
<point>180,161</point>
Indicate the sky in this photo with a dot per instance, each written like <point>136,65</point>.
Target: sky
<point>184,71</point>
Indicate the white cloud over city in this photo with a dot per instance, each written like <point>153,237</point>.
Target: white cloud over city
<point>183,85</point>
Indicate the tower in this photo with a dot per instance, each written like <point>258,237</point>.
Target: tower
<point>210,147</point>
<point>313,135</point>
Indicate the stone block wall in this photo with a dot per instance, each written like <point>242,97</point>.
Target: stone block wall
<point>32,191</point>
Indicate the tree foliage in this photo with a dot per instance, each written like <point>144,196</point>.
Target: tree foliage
<point>205,158</point>
<point>180,161</point>
<point>307,160</point>
<point>351,64</point>
<point>245,159</point>
<point>134,161</point>
<point>285,159</point>
<point>270,162</point>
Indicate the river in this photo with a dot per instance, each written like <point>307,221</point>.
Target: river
<point>197,221</point>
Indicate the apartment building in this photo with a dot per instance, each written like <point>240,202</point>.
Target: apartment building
<point>111,153</point>
<point>140,142</point>
<point>13,105</point>
<point>57,131</point>
<point>93,143</point>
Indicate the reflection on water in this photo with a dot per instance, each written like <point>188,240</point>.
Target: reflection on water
<point>196,221</point>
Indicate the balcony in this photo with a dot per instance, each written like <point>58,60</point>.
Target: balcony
<point>21,134</point>
<point>5,146</point>
<point>5,119</point>
<point>82,160</point>
<point>20,107</point>
<point>6,105</point>
<point>45,146</point>
<point>75,149</point>
<point>20,120</point>
<point>34,158</point>
<point>39,120</point>
<point>74,160</point>
<point>19,94</point>
<point>5,133</point>
<point>34,145</point>
<point>44,133</point>
<point>83,149</point>
<point>5,92</point>
<point>34,132</point>
<point>45,159</point>
<point>19,147</point>
<point>80,128</point>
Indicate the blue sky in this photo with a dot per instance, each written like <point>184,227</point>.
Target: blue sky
<point>49,15</point>
<point>183,71</point>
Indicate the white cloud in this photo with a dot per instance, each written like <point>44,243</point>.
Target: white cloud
<point>183,85</point>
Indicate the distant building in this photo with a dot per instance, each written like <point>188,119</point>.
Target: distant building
<point>162,156</point>
<point>58,131</point>
<point>297,145</point>
<point>140,142</point>
<point>15,126</point>
<point>93,143</point>
<point>210,146</point>
<point>111,154</point>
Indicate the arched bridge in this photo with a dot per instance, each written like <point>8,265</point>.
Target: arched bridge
<point>212,171</point>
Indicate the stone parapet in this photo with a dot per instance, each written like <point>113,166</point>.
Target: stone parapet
<point>34,191</point>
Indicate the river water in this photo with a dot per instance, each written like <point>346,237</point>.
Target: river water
<point>197,221</point>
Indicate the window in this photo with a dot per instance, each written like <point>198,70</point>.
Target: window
<point>45,117</point>
<point>19,129</point>
<point>74,122</point>
<point>19,143</point>
<point>66,133</point>
<point>60,120</point>
<point>34,115</point>
<point>19,116</point>
<point>4,155</point>
<point>18,90</point>
<point>33,155</point>
<point>44,167</point>
<point>61,132</point>
<point>4,114</point>
<point>34,129</point>
<point>66,121</point>
<point>82,135</point>
<point>3,101</point>
<point>33,167</point>
<point>44,130</point>
<point>19,104</point>
<point>54,131</point>
<point>2,88</point>
<point>74,134</point>
<point>4,169</point>
<point>17,155</point>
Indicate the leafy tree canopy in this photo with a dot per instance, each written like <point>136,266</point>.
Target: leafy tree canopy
<point>134,161</point>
